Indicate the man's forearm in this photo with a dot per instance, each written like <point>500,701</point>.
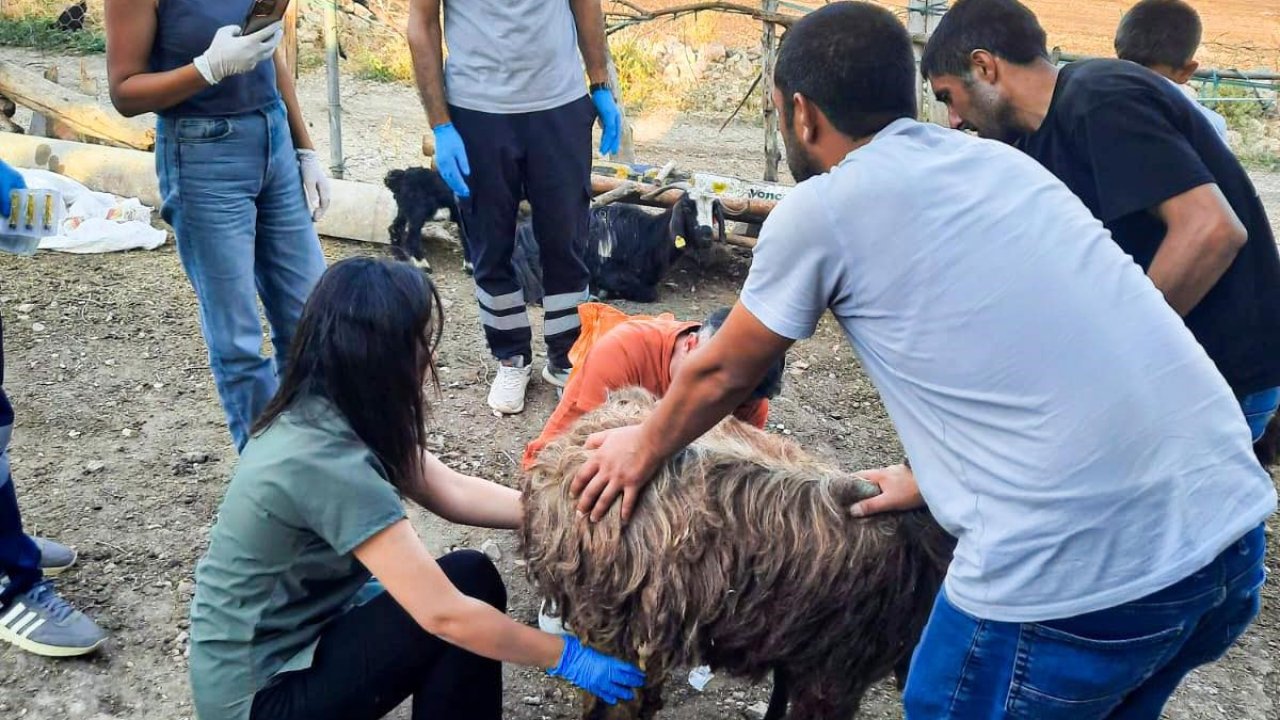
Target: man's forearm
<point>426,45</point>
<point>1203,238</point>
<point>701,395</point>
<point>589,17</point>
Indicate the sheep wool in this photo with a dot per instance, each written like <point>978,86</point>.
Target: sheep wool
<point>741,555</point>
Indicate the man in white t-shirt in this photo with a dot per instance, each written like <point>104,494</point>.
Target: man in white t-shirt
<point>1060,420</point>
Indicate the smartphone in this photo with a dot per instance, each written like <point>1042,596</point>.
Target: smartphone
<point>263,13</point>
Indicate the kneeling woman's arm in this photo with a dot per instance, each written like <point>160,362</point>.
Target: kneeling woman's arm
<point>465,500</point>
<point>417,583</point>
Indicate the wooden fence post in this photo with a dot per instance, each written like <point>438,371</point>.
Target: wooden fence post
<point>336,163</point>
<point>291,37</point>
<point>772,155</point>
<point>626,145</point>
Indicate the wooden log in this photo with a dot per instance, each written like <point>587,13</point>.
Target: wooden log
<point>751,211</point>
<point>360,211</point>
<point>42,123</point>
<point>80,113</point>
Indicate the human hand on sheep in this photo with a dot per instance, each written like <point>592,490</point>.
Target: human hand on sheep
<point>898,491</point>
<point>609,679</point>
<point>620,465</point>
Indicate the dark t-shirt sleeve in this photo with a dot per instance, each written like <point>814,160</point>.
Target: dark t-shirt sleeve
<point>1138,155</point>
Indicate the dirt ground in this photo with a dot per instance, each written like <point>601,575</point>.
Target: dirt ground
<point>121,450</point>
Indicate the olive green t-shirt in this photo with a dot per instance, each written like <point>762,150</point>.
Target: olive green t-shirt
<point>280,566</point>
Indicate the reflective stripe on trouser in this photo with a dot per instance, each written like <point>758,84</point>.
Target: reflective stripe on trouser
<point>546,158</point>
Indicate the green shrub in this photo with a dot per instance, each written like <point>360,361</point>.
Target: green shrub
<point>36,31</point>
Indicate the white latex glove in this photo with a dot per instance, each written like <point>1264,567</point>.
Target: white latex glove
<point>234,54</point>
<point>315,183</point>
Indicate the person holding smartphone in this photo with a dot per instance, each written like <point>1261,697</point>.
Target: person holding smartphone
<point>241,183</point>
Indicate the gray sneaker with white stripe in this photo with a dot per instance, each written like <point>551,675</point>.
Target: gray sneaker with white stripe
<point>41,622</point>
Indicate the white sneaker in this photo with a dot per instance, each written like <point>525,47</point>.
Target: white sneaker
<point>507,394</point>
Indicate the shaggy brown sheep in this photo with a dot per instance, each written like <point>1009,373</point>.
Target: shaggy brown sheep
<point>741,555</point>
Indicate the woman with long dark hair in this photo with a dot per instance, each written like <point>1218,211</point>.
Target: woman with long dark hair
<point>239,177</point>
<point>286,623</point>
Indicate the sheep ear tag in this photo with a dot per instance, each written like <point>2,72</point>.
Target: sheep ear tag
<point>680,243</point>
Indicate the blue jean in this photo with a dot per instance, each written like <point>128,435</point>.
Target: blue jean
<point>19,556</point>
<point>1258,409</point>
<point>233,194</point>
<point>1122,663</point>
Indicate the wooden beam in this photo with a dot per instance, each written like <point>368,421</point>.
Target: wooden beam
<point>751,211</point>
<point>78,112</point>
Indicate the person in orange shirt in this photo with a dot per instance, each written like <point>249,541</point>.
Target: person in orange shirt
<point>643,353</point>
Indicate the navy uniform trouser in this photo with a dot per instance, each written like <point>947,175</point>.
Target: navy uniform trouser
<point>544,157</point>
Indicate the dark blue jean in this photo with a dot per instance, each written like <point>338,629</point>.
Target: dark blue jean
<point>19,556</point>
<point>1122,663</point>
<point>233,194</point>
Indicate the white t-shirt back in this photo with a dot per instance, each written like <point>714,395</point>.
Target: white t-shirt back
<point>1061,420</point>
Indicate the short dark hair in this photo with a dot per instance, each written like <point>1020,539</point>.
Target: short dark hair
<point>1004,28</point>
<point>1159,32</point>
<point>771,385</point>
<point>854,61</point>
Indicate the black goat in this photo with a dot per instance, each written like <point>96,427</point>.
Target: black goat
<point>73,18</point>
<point>420,193</point>
<point>629,249</point>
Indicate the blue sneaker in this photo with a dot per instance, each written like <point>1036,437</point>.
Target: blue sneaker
<point>54,557</point>
<point>41,622</point>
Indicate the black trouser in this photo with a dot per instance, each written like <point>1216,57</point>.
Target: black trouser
<point>373,657</point>
<point>544,157</point>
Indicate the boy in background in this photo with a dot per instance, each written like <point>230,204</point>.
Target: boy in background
<point>1163,35</point>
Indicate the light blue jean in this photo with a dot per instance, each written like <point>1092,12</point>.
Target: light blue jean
<point>233,193</point>
<point>1122,663</point>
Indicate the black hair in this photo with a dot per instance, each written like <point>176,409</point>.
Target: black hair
<point>854,61</point>
<point>771,384</point>
<point>1159,32</point>
<point>366,344</point>
<point>1004,28</point>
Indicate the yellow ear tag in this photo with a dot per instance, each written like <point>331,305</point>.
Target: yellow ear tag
<point>680,243</point>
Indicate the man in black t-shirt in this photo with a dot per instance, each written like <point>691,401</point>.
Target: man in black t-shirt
<point>1146,162</point>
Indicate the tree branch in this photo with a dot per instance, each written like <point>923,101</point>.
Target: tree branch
<point>640,15</point>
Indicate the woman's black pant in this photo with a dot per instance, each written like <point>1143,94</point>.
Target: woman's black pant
<point>375,656</point>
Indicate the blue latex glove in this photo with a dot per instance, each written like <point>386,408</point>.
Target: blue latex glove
<point>605,677</point>
<point>610,120</point>
<point>451,159</point>
<point>10,180</point>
